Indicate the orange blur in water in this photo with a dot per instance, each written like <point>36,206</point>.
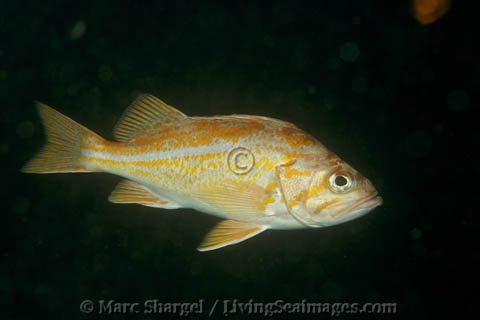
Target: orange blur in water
<point>429,11</point>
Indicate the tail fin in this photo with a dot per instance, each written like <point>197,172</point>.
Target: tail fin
<point>65,139</point>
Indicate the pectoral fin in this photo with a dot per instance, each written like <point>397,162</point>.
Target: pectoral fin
<point>229,232</point>
<point>235,200</point>
<point>129,191</point>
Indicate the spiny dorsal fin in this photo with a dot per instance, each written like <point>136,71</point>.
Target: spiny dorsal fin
<point>229,232</point>
<point>129,191</point>
<point>145,111</point>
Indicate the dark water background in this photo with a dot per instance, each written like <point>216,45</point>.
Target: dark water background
<point>393,98</point>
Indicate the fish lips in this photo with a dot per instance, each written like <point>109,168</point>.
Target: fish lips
<point>357,208</point>
<point>369,202</point>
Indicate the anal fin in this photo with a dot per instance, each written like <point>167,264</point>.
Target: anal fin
<point>229,232</point>
<point>129,191</point>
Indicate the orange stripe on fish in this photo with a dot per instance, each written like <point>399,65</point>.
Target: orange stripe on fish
<point>324,205</point>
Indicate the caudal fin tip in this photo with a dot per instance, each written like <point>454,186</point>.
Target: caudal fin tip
<point>63,150</point>
<point>44,109</point>
<point>34,166</point>
<point>39,104</point>
<point>27,167</point>
<point>24,169</point>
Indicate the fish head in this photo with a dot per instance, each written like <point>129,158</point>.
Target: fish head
<point>339,194</point>
<point>332,193</point>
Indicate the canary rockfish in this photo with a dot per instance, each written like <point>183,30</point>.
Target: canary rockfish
<point>256,173</point>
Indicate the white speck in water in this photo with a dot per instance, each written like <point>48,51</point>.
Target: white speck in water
<point>349,52</point>
<point>78,30</point>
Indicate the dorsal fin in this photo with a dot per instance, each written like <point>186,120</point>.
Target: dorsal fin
<point>145,111</point>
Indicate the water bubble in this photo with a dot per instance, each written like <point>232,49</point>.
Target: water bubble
<point>458,101</point>
<point>3,75</point>
<point>312,90</point>
<point>20,205</point>
<point>416,233</point>
<point>78,30</point>
<point>4,148</point>
<point>105,73</point>
<point>329,102</point>
<point>73,89</point>
<point>349,52</point>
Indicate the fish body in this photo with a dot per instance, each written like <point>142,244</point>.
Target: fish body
<point>255,172</point>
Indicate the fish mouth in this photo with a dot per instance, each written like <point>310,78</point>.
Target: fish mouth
<point>369,202</point>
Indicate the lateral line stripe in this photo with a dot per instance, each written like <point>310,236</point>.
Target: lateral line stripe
<point>156,155</point>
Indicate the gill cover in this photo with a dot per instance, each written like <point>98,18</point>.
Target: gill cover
<point>295,179</point>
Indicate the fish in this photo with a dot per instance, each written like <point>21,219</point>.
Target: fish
<point>255,173</point>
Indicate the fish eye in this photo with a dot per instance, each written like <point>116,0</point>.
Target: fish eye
<point>340,182</point>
